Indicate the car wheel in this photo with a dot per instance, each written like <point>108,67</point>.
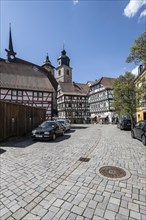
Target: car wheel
<point>132,134</point>
<point>143,139</point>
<point>121,127</point>
<point>54,137</point>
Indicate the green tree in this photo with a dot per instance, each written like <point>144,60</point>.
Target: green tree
<point>138,51</point>
<point>125,95</point>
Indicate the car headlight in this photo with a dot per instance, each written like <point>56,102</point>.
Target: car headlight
<point>34,131</point>
<point>46,132</point>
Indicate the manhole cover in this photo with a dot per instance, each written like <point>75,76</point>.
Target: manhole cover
<point>113,172</point>
<point>84,159</point>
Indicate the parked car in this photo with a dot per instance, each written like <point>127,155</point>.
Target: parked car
<point>65,123</point>
<point>48,130</point>
<point>124,124</point>
<point>139,131</point>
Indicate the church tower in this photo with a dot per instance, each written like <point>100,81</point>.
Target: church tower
<point>48,65</point>
<point>10,52</point>
<point>64,71</point>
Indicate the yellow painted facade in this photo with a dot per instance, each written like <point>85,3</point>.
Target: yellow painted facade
<point>141,110</point>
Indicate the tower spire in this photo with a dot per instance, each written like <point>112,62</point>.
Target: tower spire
<point>10,51</point>
<point>47,61</point>
<point>10,40</point>
<point>63,45</point>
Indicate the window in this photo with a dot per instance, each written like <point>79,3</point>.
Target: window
<point>40,94</point>
<point>35,94</point>
<point>14,92</point>
<point>67,72</point>
<point>20,93</point>
<point>59,72</point>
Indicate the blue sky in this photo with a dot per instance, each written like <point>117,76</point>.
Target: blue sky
<point>97,34</point>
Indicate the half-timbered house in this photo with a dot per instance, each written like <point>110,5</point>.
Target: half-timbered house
<point>101,99</point>
<point>72,102</point>
<point>26,83</point>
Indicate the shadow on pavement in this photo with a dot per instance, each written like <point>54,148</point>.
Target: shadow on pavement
<point>2,151</point>
<point>70,131</point>
<point>78,127</point>
<point>20,142</point>
<point>58,139</point>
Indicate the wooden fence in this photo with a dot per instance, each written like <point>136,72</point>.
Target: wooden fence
<point>17,120</point>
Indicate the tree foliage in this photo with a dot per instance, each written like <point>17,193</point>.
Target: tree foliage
<point>125,94</point>
<point>138,51</point>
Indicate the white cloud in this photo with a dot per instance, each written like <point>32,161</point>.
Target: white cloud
<point>143,14</point>
<point>133,7</point>
<point>135,71</point>
<point>75,2</point>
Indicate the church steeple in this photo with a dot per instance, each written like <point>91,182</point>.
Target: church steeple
<point>47,61</point>
<point>48,65</point>
<point>10,51</point>
<point>64,71</point>
<point>63,59</point>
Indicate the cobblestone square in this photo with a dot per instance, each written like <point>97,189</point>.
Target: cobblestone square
<point>47,181</point>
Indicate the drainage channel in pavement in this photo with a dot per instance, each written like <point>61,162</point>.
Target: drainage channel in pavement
<point>84,159</point>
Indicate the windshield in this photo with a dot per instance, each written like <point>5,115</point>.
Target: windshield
<point>47,124</point>
<point>62,122</point>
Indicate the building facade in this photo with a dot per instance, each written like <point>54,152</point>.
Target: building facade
<point>72,98</point>
<point>25,83</point>
<point>101,99</point>
<point>72,102</point>
<point>140,81</point>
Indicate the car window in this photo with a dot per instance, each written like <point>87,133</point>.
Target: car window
<point>45,124</point>
<point>137,125</point>
<point>127,121</point>
<point>61,122</point>
<point>142,124</point>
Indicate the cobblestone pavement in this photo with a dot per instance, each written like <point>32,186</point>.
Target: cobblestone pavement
<point>47,181</point>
